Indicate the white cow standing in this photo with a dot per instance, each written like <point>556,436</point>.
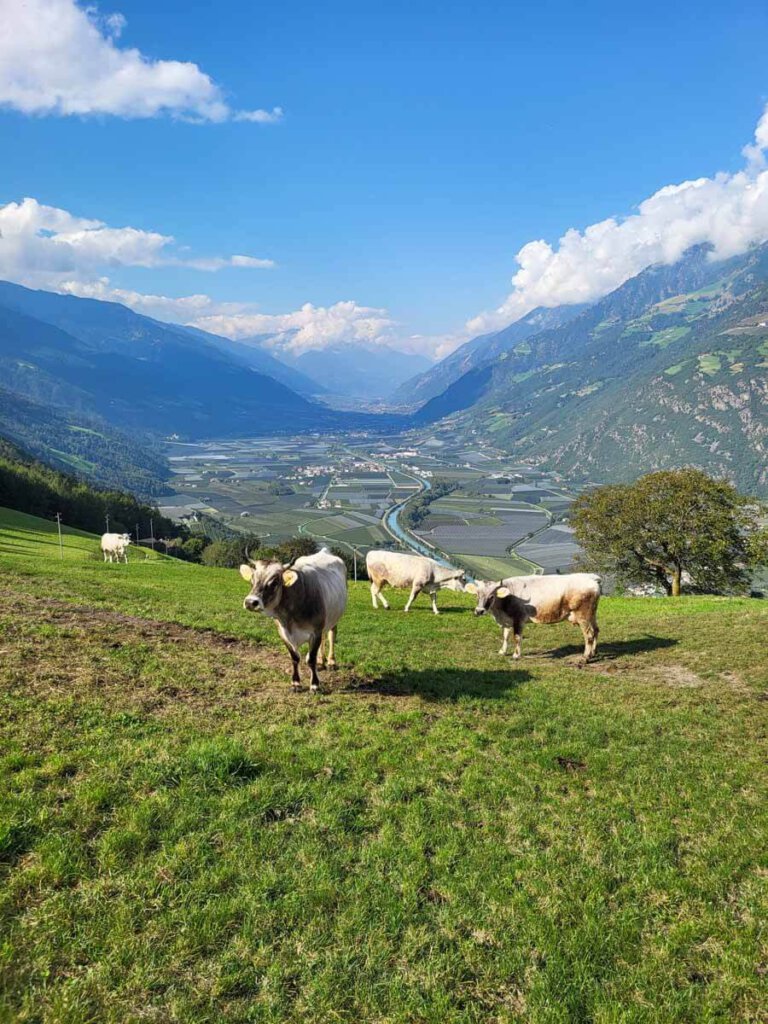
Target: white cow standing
<point>414,571</point>
<point>114,546</point>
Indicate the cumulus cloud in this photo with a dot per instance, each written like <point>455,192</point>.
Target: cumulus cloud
<point>311,327</point>
<point>57,57</point>
<point>728,211</point>
<point>44,246</point>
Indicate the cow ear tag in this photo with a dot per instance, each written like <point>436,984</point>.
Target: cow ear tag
<point>502,592</point>
<point>245,572</point>
<point>289,577</point>
<point>470,588</point>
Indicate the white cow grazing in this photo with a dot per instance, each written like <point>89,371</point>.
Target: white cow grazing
<point>414,571</point>
<point>306,598</point>
<point>114,546</point>
<point>521,599</point>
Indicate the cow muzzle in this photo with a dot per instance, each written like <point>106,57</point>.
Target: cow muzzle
<point>479,612</point>
<point>252,604</point>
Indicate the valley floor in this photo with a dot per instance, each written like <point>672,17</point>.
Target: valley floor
<point>442,836</point>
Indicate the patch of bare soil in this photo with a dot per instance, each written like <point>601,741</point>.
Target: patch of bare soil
<point>52,647</point>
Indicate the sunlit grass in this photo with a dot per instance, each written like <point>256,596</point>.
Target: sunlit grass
<point>444,836</point>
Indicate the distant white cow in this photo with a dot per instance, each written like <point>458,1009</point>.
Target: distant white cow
<point>114,546</point>
<point>414,571</point>
<point>520,599</point>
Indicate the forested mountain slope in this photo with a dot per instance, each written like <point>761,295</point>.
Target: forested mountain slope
<point>670,369</point>
<point>479,351</point>
<point>101,359</point>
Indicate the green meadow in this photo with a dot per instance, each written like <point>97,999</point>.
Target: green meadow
<point>441,836</point>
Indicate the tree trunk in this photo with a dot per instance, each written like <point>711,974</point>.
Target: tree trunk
<point>676,575</point>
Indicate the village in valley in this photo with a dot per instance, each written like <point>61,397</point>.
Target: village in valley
<point>493,517</point>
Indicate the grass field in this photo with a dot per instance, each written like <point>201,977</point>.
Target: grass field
<point>444,836</point>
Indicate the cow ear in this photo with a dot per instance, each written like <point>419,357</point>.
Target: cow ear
<point>289,577</point>
<point>245,572</point>
<point>502,592</point>
<point>470,588</point>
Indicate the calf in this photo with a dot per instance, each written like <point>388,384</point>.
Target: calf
<point>547,599</point>
<point>306,599</point>
<point>115,545</point>
<point>414,571</point>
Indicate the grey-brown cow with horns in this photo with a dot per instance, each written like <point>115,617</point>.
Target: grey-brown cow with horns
<point>306,598</point>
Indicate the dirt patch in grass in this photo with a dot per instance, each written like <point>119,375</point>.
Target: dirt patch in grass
<point>51,647</point>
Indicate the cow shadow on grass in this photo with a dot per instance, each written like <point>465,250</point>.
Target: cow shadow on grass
<point>444,684</point>
<point>611,649</point>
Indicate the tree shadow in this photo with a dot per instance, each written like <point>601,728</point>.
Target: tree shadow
<point>443,684</point>
<point>612,649</point>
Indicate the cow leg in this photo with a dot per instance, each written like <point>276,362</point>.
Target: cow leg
<point>415,591</point>
<point>320,653</point>
<point>314,647</point>
<point>590,632</point>
<point>295,659</point>
<point>433,595</point>
<point>331,638</point>
<point>505,631</point>
<point>518,643</point>
<point>376,592</point>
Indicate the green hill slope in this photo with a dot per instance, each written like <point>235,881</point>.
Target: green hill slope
<point>669,370</point>
<point>446,836</point>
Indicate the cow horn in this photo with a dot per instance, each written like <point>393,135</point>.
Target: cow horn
<point>249,559</point>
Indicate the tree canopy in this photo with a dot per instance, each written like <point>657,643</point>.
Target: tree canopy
<point>673,528</point>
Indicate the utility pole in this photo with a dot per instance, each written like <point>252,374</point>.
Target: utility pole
<point>152,533</point>
<point>138,538</point>
<point>354,555</point>
<point>107,519</point>
<point>61,543</point>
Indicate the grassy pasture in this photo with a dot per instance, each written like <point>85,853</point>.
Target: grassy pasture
<point>443,836</point>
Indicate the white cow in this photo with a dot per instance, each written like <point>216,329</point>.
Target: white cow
<point>520,599</point>
<point>414,571</point>
<point>114,546</point>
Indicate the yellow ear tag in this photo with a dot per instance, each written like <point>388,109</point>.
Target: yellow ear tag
<point>289,577</point>
<point>245,572</point>
<point>502,592</point>
<point>470,588</point>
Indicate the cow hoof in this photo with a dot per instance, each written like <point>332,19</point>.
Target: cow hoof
<point>332,665</point>
<point>503,654</point>
<point>315,689</point>
<point>516,657</point>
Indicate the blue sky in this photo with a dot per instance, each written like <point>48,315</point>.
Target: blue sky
<point>422,144</point>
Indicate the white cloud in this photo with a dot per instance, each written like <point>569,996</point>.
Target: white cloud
<point>43,246</point>
<point>311,327</point>
<point>57,57</point>
<point>728,211</point>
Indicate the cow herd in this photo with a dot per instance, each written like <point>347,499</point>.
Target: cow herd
<point>307,598</point>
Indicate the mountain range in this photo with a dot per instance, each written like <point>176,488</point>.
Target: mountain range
<point>670,369</point>
<point>80,377</point>
<point>479,352</point>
